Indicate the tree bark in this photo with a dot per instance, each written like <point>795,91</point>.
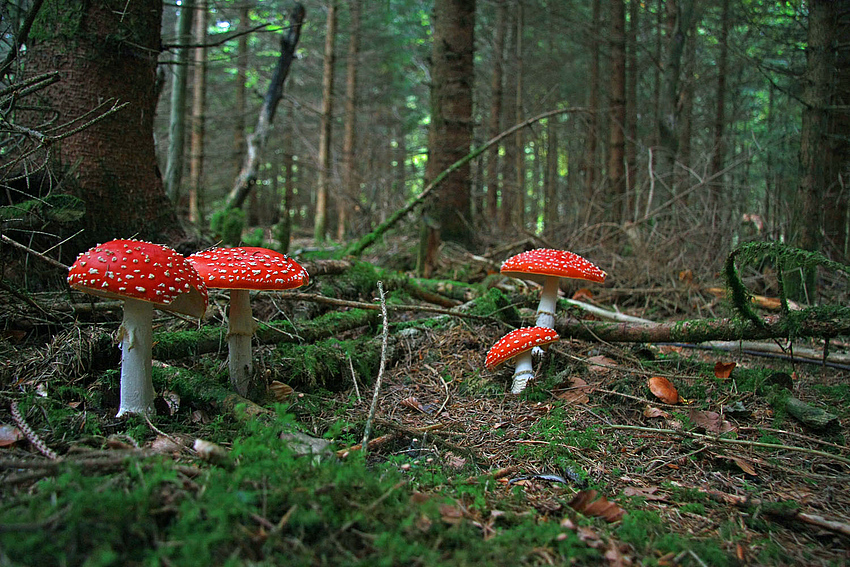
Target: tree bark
<point>519,138</point>
<point>590,156</point>
<point>256,142</point>
<point>350,180</point>
<point>450,133</point>
<point>719,150</point>
<point>813,143</point>
<point>199,95</point>
<point>326,127</point>
<point>108,55</point>
<point>495,123</point>
<point>177,118</point>
<point>631,112</point>
<point>617,123</point>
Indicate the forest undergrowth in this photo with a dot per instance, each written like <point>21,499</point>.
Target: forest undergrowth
<point>617,453</point>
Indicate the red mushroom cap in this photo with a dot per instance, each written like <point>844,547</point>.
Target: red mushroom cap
<point>248,267</point>
<point>536,264</point>
<point>121,269</point>
<point>517,342</point>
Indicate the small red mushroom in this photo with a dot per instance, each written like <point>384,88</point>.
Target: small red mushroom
<point>517,345</point>
<point>240,270</point>
<point>546,266</point>
<point>144,276</point>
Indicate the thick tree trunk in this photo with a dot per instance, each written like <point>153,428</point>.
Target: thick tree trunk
<point>107,56</point>
<point>631,112</point>
<point>350,181</point>
<point>450,135</point>
<point>177,118</point>
<point>551,200</point>
<point>326,127</point>
<point>199,96</point>
<point>495,124</point>
<point>719,150</point>
<point>519,138</point>
<point>617,123</point>
<point>590,156</point>
<point>239,100</point>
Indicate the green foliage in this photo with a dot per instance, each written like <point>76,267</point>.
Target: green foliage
<point>52,208</point>
<point>228,225</point>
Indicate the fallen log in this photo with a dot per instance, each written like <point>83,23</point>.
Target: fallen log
<point>811,322</point>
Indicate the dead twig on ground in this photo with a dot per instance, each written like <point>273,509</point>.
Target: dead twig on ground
<point>384,339</point>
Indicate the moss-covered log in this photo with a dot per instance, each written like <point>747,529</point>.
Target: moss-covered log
<point>813,322</point>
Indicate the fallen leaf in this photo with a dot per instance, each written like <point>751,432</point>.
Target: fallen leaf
<point>600,363</point>
<point>583,294</point>
<point>650,412</point>
<point>587,503</point>
<point>574,392</point>
<point>745,466</point>
<point>9,435</point>
<point>663,390</point>
<point>451,514</point>
<point>455,462</point>
<point>413,403</point>
<point>645,492</point>
<point>711,421</point>
<point>723,370</point>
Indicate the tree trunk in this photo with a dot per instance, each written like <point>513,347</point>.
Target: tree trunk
<point>350,182</point>
<point>686,106</point>
<point>326,126</point>
<point>631,112</point>
<point>617,138</point>
<point>519,137</point>
<point>177,118</point>
<point>551,200</point>
<point>239,96</point>
<point>450,134</point>
<point>717,157</point>
<point>590,157</point>
<point>108,55</point>
<point>820,59</point>
<point>256,142</point>
<point>679,14</point>
<point>196,163</point>
<point>495,125</point>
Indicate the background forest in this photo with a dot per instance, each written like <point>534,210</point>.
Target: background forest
<point>692,408</point>
<point>679,127</point>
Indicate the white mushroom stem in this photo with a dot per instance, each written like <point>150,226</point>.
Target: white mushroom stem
<point>523,372</point>
<point>548,302</point>
<point>240,331</point>
<point>136,346</point>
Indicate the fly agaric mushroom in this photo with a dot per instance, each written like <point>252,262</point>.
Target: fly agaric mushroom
<point>517,345</point>
<point>240,270</point>
<point>143,275</point>
<point>546,266</point>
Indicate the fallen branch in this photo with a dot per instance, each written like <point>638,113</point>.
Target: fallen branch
<point>384,337</point>
<point>810,322</point>
<point>731,441</point>
<point>775,510</point>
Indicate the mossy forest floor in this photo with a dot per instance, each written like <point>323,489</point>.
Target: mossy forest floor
<point>586,467</point>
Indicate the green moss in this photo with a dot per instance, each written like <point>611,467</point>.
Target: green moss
<point>326,363</point>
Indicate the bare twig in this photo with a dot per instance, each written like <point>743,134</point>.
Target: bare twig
<point>384,338</point>
<point>730,441</point>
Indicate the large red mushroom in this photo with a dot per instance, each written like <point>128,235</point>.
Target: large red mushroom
<point>241,270</point>
<point>144,276</point>
<point>517,345</point>
<point>546,266</point>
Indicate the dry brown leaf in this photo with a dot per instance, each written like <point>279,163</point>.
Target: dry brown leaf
<point>745,466</point>
<point>646,492</point>
<point>663,390</point>
<point>723,370</point>
<point>574,392</point>
<point>583,294</point>
<point>451,514</point>
<point>413,403</point>
<point>650,412</point>
<point>600,363</point>
<point>9,435</point>
<point>711,421</point>
<point>587,503</point>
